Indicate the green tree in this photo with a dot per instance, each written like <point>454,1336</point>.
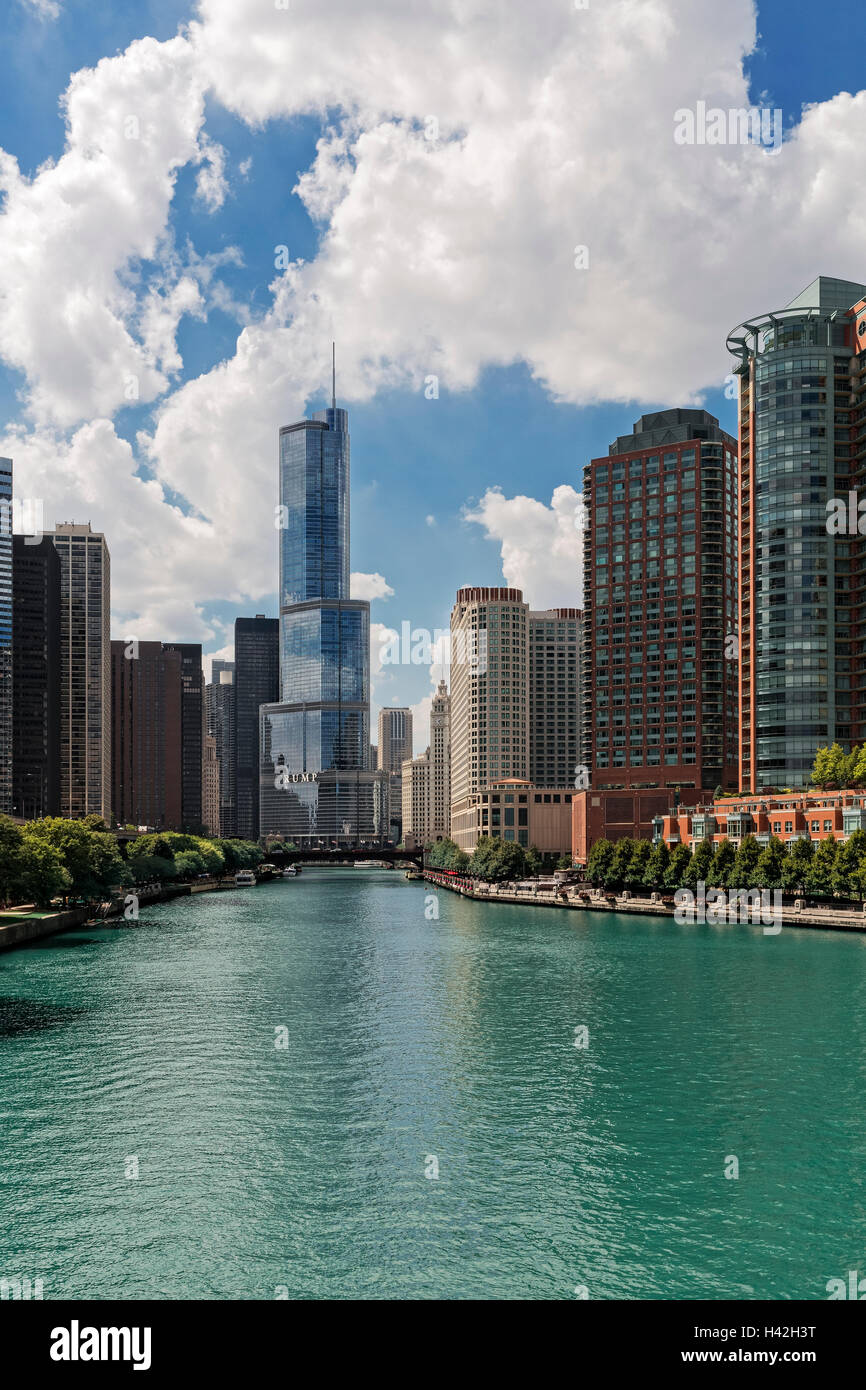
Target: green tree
<point>821,767</point>
<point>482,859</point>
<point>617,873</point>
<point>743,868</point>
<point>91,857</point>
<point>657,866</point>
<point>723,859</point>
<point>819,881</point>
<point>510,861</point>
<point>845,878</point>
<point>598,862</point>
<point>43,874</point>
<point>681,858</point>
<point>798,861</point>
<point>638,866</point>
<point>767,872</point>
<point>158,845</point>
<point>10,858</point>
<point>563,862</point>
<point>147,867</point>
<point>699,866</point>
<point>534,862</point>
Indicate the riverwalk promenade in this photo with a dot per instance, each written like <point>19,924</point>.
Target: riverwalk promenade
<point>798,912</point>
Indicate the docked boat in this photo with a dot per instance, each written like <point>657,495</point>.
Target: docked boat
<point>245,878</point>
<point>290,871</point>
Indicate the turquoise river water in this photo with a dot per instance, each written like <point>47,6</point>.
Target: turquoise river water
<point>408,1046</point>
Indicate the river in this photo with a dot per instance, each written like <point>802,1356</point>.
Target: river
<point>327,1092</point>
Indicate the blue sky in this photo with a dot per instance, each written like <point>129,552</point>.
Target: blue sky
<point>413,458</point>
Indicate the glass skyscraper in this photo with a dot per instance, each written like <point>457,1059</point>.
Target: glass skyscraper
<point>799,582</point>
<point>316,784</point>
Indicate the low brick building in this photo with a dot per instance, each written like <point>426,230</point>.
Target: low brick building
<point>813,815</point>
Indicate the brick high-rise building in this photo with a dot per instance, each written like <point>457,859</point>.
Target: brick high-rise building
<point>150,757</point>
<point>659,678</point>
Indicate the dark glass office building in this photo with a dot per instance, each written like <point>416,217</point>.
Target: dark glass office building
<point>316,785</point>
<point>35,678</point>
<point>799,579</point>
<point>191,731</point>
<point>257,682</point>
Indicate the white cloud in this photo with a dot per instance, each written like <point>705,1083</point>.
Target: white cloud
<point>211,185</point>
<point>541,546</point>
<point>443,256</point>
<point>45,9</point>
<point>70,235</point>
<point>369,586</point>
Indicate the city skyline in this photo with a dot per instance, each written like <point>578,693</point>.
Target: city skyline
<point>207,338</point>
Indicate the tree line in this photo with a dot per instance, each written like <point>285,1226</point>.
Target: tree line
<point>56,858</point>
<point>830,868</point>
<point>492,861</point>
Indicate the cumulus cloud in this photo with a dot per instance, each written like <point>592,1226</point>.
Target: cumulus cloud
<point>460,165</point>
<point>541,546</point>
<point>369,586</point>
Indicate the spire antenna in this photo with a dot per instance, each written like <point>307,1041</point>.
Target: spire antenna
<point>333,376</point>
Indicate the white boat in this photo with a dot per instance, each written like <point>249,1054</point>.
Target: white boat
<point>245,878</point>
<point>290,871</point>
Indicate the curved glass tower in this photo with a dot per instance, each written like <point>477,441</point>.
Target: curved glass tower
<point>796,676</point>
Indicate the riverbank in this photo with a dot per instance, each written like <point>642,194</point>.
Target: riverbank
<point>21,926</point>
<point>588,900</point>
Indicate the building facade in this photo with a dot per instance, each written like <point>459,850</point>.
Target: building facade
<point>221,713</point>
<point>85,671</point>
<point>151,707</point>
<point>812,815</point>
<point>416,800</point>
<point>257,682</point>
<point>191,730</point>
<point>489,699</point>
<point>800,581</point>
<point>554,696</point>
<point>6,660</point>
<point>35,678</point>
<point>659,670</point>
<point>395,737</point>
<point>511,808</point>
<point>316,786</point>
<point>439,817</point>
<point>210,785</point>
